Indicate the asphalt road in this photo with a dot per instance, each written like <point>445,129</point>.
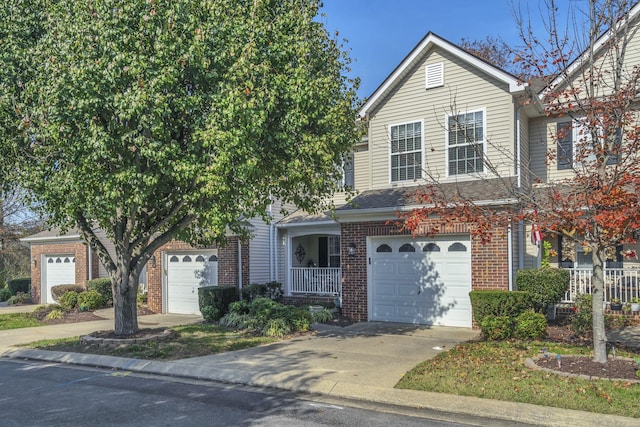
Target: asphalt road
<point>40,394</point>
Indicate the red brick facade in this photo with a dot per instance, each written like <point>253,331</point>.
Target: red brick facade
<point>489,262</point>
<point>77,249</point>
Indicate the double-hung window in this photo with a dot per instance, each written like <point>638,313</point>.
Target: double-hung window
<point>565,145</point>
<point>406,152</point>
<point>465,143</point>
<point>575,145</point>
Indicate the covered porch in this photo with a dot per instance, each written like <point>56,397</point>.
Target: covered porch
<point>619,283</point>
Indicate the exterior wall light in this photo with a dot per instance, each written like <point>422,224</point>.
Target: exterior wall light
<point>351,250</point>
<point>152,261</point>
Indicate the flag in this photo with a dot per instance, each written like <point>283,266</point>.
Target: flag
<point>536,234</point>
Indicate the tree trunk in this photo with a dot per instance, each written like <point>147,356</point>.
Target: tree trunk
<point>597,310</point>
<point>125,292</point>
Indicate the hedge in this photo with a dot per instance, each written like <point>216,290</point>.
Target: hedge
<point>546,285</point>
<point>103,287</point>
<point>499,304</point>
<point>218,297</point>
<point>58,290</point>
<point>21,284</point>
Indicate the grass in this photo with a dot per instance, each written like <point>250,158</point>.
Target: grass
<point>190,341</point>
<point>18,320</point>
<point>495,370</point>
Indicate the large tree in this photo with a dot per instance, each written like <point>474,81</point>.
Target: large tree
<point>164,119</point>
<point>591,87</point>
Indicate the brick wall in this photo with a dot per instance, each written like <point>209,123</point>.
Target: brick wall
<point>489,262</point>
<point>77,249</point>
<point>227,268</point>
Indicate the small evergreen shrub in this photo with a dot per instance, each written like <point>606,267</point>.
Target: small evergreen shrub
<point>217,296</point>
<point>234,320</point>
<point>69,300</point>
<point>497,327</point>
<point>90,300</point>
<point>58,290</point>
<point>499,303</point>
<point>582,318</point>
<point>530,325</point>
<point>102,286</point>
<point>239,307</point>
<point>5,294</point>
<point>277,327</point>
<point>55,314</point>
<point>19,298</point>
<point>265,316</point>
<point>322,316</point>
<point>546,285</point>
<point>21,284</point>
<point>210,313</point>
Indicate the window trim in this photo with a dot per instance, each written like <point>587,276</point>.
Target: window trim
<point>482,110</point>
<point>421,151</point>
<point>576,129</point>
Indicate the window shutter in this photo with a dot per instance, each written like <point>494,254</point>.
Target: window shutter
<point>435,75</point>
<point>349,178</point>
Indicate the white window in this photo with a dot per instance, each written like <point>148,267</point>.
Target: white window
<point>406,152</point>
<point>434,75</point>
<point>465,143</point>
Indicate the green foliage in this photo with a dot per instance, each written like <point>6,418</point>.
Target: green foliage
<point>267,317</point>
<point>210,313</point>
<point>271,290</point>
<point>234,320</point>
<point>55,314</point>
<point>530,325</point>
<point>5,294</point>
<point>187,115</point>
<point>102,286</point>
<point>217,296</point>
<point>582,318</point>
<point>69,300</point>
<point>19,298</point>
<point>239,307</point>
<point>58,290</point>
<point>499,303</point>
<point>545,262</point>
<point>19,285</point>
<point>90,300</point>
<point>497,327</point>
<point>322,316</point>
<point>546,285</point>
<point>277,327</point>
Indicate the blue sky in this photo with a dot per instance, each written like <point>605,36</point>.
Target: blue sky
<point>381,33</point>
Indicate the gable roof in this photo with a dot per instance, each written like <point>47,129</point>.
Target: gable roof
<point>578,63</point>
<point>427,43</point>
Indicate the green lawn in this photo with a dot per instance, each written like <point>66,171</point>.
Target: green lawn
<point>495,370</point>
<point>18,320</point>
<point>190,341</point>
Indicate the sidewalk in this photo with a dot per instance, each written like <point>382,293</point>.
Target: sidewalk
<point>363,362</point>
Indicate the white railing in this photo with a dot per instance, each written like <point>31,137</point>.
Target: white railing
<point>618,283</point>
<point>316,280</point>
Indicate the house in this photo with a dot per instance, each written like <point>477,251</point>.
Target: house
<point>418,127</point>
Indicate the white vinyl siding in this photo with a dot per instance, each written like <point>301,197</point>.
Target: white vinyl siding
<point>406,152</point>
<point>465,143</point>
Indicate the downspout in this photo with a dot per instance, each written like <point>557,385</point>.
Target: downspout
<point>90,262</point>
<point>519,178</point>
<point>510,255</point>
<point>240,266</point>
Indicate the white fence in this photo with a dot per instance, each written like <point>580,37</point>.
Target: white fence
<point>317,280</point>
<point>618,283</point>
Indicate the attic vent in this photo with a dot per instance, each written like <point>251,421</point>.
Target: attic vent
<point>435,75</point>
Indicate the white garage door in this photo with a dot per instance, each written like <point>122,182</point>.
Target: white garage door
<point>59,270</point>
<point>422,281</point>
<point>186,272</point>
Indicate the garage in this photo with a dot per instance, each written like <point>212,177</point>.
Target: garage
<point>420,281</point>
<point>185,273</point>
<point>59,270</point>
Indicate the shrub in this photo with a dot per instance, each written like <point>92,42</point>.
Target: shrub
<point>497,327</point>
<point>210,313</point>
<point>5,294</point>
<point>19,285</point>
<point>217,296</point>
<point>546,285</point>
<point>267,317</point>
<point>234,320</point>
<point>19,298</point>
<point>322,316</point>
<point>54,314</point>
<point>239,307</point>
<point>270,290</point>
<point>277,327</point>
<point>59,290</point>
<point>499,303</point>
<point>69,300</point>
<point>582,318</point>
<point>103,287</point>
<point>90,300</point>
<point>531,325</point>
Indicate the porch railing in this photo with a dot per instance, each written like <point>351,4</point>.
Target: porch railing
<point>618,283</point>
<point>316,280</point>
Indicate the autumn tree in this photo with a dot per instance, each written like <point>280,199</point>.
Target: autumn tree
<point>591,84</point>
<point>164,119</point>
